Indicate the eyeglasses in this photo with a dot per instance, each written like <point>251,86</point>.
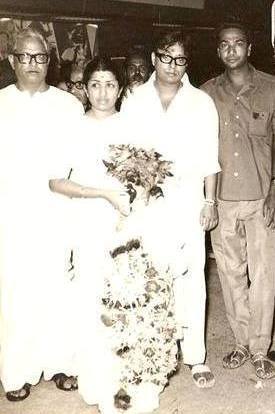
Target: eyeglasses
<point>179,61</point>
<point>26,58</point>
<point>77,84</point>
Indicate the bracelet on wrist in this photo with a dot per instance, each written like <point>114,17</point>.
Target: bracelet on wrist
<point>210,202</point>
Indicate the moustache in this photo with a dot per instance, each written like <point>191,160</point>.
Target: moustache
<point>137,78</point>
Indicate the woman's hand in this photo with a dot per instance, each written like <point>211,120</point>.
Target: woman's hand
<point>120,201</point>
<point>209,217</point>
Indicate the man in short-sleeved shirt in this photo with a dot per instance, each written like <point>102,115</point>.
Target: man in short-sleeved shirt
<point>179,121</point>
<point>244,241</point>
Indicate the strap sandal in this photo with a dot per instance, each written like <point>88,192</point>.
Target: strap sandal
<point>65,383</point>
<point>19,395</point>
<point>202,376</point>
<point>263,366</point>
<point>237,357</point>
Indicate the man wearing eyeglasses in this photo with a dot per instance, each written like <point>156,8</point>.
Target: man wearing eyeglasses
<point>181,123</point>
<point>72,81</point>
<point>36,125</point>
<point>244,240</point>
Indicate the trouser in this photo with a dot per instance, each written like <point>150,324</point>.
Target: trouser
<point>244,249</point>
<point>190,293</point>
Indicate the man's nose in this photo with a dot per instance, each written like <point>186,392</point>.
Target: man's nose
<point>173,64</point>
<point>231,49</point>
<point>32,61</point>
<point>137,71</point>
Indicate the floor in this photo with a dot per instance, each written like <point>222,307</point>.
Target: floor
<point>235,392</point>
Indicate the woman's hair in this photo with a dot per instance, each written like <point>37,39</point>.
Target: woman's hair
<point>29,33</point>
<point>101,63</point>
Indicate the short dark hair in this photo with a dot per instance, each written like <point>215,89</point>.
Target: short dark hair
<point>233,25</point>
<point>168,39</point>
<point>103,63</point>
<point>138,51</point>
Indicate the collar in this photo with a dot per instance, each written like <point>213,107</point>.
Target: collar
<point>254,80</point>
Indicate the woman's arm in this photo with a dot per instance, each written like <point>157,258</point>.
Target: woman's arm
<point>66,187</point>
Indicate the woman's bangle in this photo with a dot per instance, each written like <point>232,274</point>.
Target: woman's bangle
<point>210,201</point>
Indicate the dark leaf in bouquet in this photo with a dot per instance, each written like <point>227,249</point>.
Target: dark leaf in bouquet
<point>121,351</point>
<point>157,155</point>
<point>117,305</point>
<point>110,166</point>
<point>132,192</point>
<point>137,380</point>
<point>122,400</point>
<point>130,177</point>
<point>117,251</point>
<point>133,244</point>
<point>156,192</point>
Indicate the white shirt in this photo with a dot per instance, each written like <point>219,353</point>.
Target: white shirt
<point>186,133</point>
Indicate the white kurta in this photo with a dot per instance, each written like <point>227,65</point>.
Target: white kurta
<point>187,134</point>
<point>34,147</point>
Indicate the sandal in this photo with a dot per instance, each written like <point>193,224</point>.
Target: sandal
<point>19,395</point>
<point>202,376</point>
<point>263,367</point>
<point>65,383</point>
<point>237,357</point>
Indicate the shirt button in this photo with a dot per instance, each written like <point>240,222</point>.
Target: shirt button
<point>237,117</point>
<point>225,123</point>
<point>238,98</point>
<point>236,154</point>
<point>237,135</point>
<point>236,174</point>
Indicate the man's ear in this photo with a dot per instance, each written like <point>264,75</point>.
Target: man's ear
<point>153,58</point>
<point>218,52</point>
<point>249,49</point>
<point>11,60</point>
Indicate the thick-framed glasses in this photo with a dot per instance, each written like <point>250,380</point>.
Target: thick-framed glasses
<point>77,84</point>
<point>26,58</point>
<point>179,61</point>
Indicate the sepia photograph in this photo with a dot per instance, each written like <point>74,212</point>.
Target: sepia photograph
<point>137,199</point>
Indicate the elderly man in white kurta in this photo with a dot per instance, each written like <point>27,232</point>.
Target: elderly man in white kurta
<point>181,122</point>
<point>36,124</point>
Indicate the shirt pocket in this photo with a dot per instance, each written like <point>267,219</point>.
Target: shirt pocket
<point>258,123</point>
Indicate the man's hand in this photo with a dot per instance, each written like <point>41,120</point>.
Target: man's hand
<point>209,216</point>
<point>269,208</point>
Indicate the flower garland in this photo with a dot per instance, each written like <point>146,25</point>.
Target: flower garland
<point>138,313</point>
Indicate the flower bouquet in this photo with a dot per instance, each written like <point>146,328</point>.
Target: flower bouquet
<point>142,172</point>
